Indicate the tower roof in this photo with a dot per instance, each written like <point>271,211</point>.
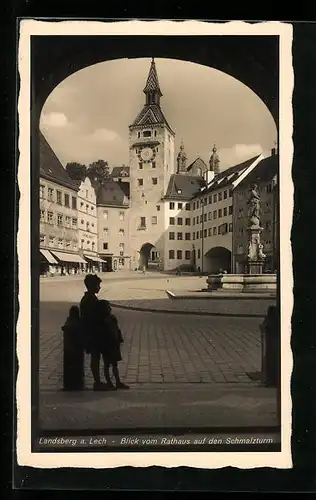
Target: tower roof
<point>152,84</point>
<point>151,114</point>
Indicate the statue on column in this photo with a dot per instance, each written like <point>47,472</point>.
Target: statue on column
<point>254,205</point>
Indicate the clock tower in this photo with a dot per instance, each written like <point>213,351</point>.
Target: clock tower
<point>151,142</point>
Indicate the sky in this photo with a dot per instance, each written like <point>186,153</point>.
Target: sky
<point>86,117</point>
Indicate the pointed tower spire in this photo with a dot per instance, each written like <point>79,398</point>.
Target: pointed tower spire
<point>181,160</point>
<point>152,88</point>
<point>214,161</point>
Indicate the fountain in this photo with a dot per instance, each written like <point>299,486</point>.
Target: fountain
<point>253,280</point>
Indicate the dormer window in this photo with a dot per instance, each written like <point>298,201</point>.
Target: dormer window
<point>147,133</point>
<point>179,191</point>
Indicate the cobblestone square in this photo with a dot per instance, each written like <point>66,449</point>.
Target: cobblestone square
<point>158,348</point>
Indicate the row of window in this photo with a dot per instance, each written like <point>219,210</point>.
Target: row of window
<point>106,215</point>
<point>216,214</point>
<point>141,165</point>
<point>61,243</point>
<point>213,231</point>
<point>179,254</point>
<point>83,244</point>
<point>187,236</point>
<point>172,206</point>
<point>62,220</point>
<point>154,181</point>
<point>172,221</point>
<point>147,133</point>
<point>121,231</point>
<point>223,195</point>
<point>86,207</point>
<point>58,197</point>
<point>105,246</point>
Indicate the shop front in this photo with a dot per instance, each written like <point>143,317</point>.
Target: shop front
<point>68,263</point>
<point>48,263</point>
<point>106,262</point>
<point>94,263</point>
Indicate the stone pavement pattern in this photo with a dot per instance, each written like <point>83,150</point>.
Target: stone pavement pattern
<point>162,348</point>
<point>184,370</point>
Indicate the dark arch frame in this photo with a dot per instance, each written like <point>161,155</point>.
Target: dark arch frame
<point>252,59</point>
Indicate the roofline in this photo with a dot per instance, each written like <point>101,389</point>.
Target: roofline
<point>247,171</point>
<point>176,198</point>
<point>159,124</point>
<point>191,164</point>
<point>59,182</point>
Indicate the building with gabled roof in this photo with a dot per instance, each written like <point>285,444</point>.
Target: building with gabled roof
<point>264,175</point>
<point>157,212</point>
<point>112,199</point>
<point>197,168</point>
<point>212,217</point>
<point>59,246</point>
<point>120,173</point>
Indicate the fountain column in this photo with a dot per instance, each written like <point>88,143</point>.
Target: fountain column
<point>255,256</point>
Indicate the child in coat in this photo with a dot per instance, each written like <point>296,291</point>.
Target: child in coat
<point>110,339</point>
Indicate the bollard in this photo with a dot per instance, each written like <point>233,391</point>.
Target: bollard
<point>270,352</point>
<point>73,361</point>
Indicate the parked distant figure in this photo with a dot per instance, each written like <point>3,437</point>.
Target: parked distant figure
<point>144,269</point>
<point>110,339</point>
<point>88,313</point>
<point>73,362</point>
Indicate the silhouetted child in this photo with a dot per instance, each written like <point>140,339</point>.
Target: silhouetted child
<point>73,372</point>
<point>88,305</point>
<point>110,344</point>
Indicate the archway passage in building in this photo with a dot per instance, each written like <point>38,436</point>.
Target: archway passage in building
<point>149,257</point>
<point>217,259</point>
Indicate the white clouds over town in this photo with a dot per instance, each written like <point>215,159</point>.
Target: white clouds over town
<point>87,116</point>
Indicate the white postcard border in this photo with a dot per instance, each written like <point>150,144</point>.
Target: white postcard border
<point>204,460</point>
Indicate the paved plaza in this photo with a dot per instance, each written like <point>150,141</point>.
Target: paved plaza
<point>182,368</point>
<point>158,348</point>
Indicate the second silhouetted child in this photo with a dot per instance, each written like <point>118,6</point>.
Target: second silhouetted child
<point>110,339</point>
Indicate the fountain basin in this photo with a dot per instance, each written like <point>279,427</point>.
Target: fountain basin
<point>242,282</point>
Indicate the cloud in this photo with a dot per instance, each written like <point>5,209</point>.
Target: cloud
<point>54,119</point>
<point>237,154</point>
<point>104,134</point>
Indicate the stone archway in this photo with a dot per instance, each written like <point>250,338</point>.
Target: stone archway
<point>224,54</point>
<point>217,259</point>
<point>148,256</point>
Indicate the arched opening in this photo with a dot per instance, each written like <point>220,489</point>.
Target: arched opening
<point>149,257</point>
<point>218,259</point>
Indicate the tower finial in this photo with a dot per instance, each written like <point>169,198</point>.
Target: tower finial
<point>152,88</point>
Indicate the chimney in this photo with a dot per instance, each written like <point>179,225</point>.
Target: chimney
<point>209,176</point>
<point>273,151</point>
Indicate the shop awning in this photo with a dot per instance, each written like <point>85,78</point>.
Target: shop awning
<point>94,258</point>
<point>69,257</point>
<point>48,256</point>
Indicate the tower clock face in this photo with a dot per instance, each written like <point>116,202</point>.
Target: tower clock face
<point>146,154</point>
